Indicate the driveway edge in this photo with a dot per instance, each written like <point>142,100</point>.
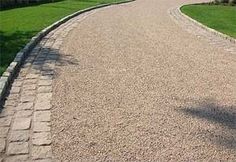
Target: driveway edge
<point>224,36</point>
<point>15,65</point>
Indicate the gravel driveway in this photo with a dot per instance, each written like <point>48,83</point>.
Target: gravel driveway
<point>134,86</point>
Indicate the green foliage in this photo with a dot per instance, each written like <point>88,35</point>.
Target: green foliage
<point>219,17</point>
<point>230,2</point>
<point>222,1</point>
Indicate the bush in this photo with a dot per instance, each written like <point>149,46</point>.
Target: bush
<point>221,1</point>
<point>232,2</point>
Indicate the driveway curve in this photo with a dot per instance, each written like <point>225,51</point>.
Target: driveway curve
<point>132,85</point>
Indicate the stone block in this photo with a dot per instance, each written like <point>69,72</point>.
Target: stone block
<point>21,123</point>
<point>16,148</point>
<point>19,136</point>
<point>42,138</point>
<point>2,144</point>
<point>42,116</point>
<point>41,127</point>
<point>41,152</point>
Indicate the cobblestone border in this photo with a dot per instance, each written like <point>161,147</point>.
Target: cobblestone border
<point>25,119</point>
<point>212,36</point>
<point>12,69</point>
<point>224,36</point>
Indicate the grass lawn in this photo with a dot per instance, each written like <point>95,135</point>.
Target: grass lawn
<point>219,17</point>
<point>18,25</point>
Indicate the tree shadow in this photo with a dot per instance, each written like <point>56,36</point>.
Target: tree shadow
<point>42,61</point>
<point>222,116</point>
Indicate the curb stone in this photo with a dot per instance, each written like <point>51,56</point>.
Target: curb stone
<point>224,36</point>
<point>12,69</point>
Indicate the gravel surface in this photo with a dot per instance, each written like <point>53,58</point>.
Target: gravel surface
<point>134,86</point>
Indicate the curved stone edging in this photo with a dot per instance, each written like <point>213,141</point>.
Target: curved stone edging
<point>25,119</point>
<point>206,27</point>
<point>212,36</point>
<point>12,69</point>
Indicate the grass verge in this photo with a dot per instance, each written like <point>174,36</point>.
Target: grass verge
<point>219,17</point>
<point>19,25</point>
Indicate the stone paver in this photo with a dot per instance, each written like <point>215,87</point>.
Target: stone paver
<point>42,138</point>
<point>42,116</point>
<point>19,136</point>
<point>41,127</point>
<point>41,152</point>
<point>2,144</point>
<point>45,82</point>
<point>4,132</point>
<point>24,113</point>
<point>27,98</point>
<point>15,90</point>
<point>25,106</point>
<point>17,158</point>
<point>21,123</point>
<point>16,148</point>
<point>7,112</point>
<point>5,121</point>
<point>46,105</point>
<point>44,89</point>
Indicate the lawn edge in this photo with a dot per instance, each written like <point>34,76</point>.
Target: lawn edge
<point>218,33</point>
<point>12,69</point>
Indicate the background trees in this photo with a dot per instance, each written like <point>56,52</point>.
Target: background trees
<point>231,2</point>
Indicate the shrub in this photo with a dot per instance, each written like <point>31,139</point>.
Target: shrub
<point>232,2</point>
<point>221,1</point>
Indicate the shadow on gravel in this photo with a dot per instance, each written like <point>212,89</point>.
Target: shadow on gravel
<point>47,60</point>
<point>42,61</point>
<point>223,117</point>
<point>215,113</point>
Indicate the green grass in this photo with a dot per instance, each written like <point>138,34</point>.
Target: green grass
<point>218,17</point>
<point>19,25</point>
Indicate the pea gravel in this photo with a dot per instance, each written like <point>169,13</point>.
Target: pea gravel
<point>134,86</point>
